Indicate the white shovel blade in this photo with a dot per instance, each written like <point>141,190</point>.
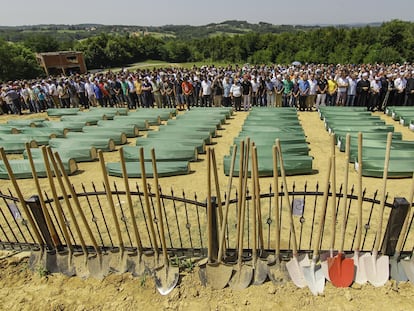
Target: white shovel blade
<point>296,273</point>
<point>360,271</point>
<point>408,266</point>
<point>377,269</point>
<point>325,269</point>
<point>397,270</point>
<point>314,278</point>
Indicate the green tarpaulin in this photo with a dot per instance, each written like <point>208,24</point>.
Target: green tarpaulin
<point>130,130</point>
<point>122,111</point>
<point>39,139</point>
<point>155,142</point>
<point>105,144</point>
<point>142,125</point>
<point>164,153</point>
<point>118,138</point>
<point>73,126</point>
<point>58,112</point>
<point>35,131</point>
<point>27,122</point>
<point>16,146</point>
<point>78,153</point>
<point>397,168</point>
<point>150,120</point>
<point>164,169</point>
<point>181,135</point>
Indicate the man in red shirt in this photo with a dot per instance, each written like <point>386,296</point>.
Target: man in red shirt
<point>188,92</point>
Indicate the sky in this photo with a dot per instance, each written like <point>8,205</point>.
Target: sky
<point>202,12</point>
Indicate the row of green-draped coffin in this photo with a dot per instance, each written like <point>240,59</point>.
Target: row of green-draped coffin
<point>154,120</point>
<point>118,138</point>
<point>173,142</point>
<point>142,125</point>
<point>293,164</point>
<point>164,169</point>
<point>153,114</point>
<point>86,118</point>
<point>58,112</point>
<point>27,122</point>
<point>105,144</point>
<point>397,167</point>
<point>164,152</point>
<point>41,139</point>
<point>22,169</point>
<point>78,153</point>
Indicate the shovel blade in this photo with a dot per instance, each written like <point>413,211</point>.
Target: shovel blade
<point>315,279</point>
<point>98,266</point>
<point>80,262</point>
<point>397,270</point>
<point>408,266</point>
<point>296,273</point>
<point>260,272</point>
<point>360,270</point>
<point>377,269</point>
<point>242,277</point>
<point>341,271</point>
<point>278,273</point>
<point>118,262</point>
<point>166,278</point>
<point>136,266</point>
<point>325,268</point>
<point>218,275</point>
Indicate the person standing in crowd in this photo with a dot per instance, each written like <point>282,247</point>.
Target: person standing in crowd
<point>255,90</point>
<point>98,93</point>
<point>54,95</point>
<point>332,91</point>
<point>352,86</point>
<point>279,89</point>
<point>132,95</point>
<point>197,100</point>
<point>14,98</point>
<point>313,86</point>
<point>303,91</point>
<point>187,92</point>
<point>80,89</point>
<point>287,90</point>
<point>236,92</point>
<point>399,84</point>
<point>409,90</point>
<point>217,89</point>
<point>169,92</point>
<point>178,92</point>
<point>295,92</point>
<point>342,82</point>
<point>64,96</point>
<point>156,91</point>
<point>262,96</point>
<point>270,92</point>
<point>226,91</point>
<point>246,91</point>
<point>205,91</point>
<point>90,92</point>
<point>375,88</point>
<point>321,89</point>
<point>147,93</point>
<point>363,87</point>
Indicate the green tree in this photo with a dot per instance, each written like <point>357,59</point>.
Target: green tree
<point>40,43</point>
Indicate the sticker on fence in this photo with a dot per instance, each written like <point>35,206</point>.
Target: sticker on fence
<point>297,207</point>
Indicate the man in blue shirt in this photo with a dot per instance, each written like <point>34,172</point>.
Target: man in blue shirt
<point>303,91</point>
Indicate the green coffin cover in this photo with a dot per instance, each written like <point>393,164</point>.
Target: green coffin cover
<point>27,122</point>
<point>185,128</point>
<point>122,111</point>
<point>164,115</point>
<point>397,168</point>
<point>291,143</point>
<point>227,111</point>
<point>22,169</point>
<point>366,137</point>
<point>291,149</point>
<point>163,153</point>
<point>15,146</point>
<point>294,165</point>
<point>142,125</point>
<point>220,119</point>
<point>377,152</point>
<point>43,131</point>
<point>79,154</point>
<point>164,169</point>
<point>150,120</point>
<point>181,135</point>
<point>105,144</point>
<point>74,126</point>
<point>195,121</point>
<point>363,128</point>
<point>58,112</point>
<point>129,129</point>
<point>102,115</point>
<point>91,119</point>
<point>155,142</point>
<point>119,139</point>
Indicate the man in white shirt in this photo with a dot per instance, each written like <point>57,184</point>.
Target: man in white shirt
<point>352,85</point>
<point>205,92</point>
<point>342,82</point>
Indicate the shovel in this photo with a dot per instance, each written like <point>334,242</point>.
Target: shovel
<point>277,271</point>
<point>377,266</point>
<point>166,276</point>
<point>325,263</point>
<point>37,257</point>
<point>243,273</point>
<point>259,265</point>
<point>118,262</point>
<point>96,266</point>
<point>359,261</point>
<point>403,270</point>
<point>65,261</point>
<point>341,269</point>
<point>293,267</point>
<point>218,274</point>
<point>313,273</point>
<point>57,257</point>
<point>136,263</point>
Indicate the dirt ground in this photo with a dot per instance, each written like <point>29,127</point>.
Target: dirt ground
<point>22,289</point>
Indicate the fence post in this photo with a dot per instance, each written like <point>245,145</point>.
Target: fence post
<point>39,217</point>
<point>395,223</point>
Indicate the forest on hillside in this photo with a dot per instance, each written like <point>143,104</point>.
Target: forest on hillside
<point>390,42</point>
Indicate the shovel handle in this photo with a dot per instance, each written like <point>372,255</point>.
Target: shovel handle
<point>276,201</point>
<point>347,145</point>
<point>360,194</point>
<point>384,189</point>
<point>209,208</point>
<point>333,203</point>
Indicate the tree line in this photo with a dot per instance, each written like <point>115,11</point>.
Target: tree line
<point>391,42</point>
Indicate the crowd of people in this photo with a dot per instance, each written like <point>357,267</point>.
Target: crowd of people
<point>305,87</point>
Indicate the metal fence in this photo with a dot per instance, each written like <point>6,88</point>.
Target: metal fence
<point>185,220</point>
